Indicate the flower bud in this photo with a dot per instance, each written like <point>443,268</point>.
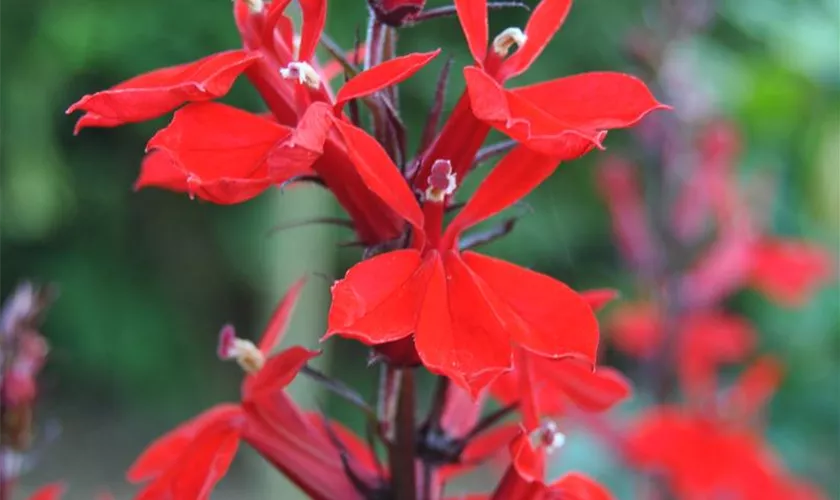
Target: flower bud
<point>396,12</point>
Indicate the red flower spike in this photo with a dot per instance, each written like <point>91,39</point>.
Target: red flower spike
<point>543,23</point>
<point>314,17</point>
<point>789,271</point>
<point>382,76</point>
<point>52,491</point>
<point>472,15</point>
<point>158,92</point>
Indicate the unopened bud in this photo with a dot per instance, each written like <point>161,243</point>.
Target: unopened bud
<point>247,355</point>
<point>507,39</point>
<point>441,180</point>
<point>303,73</point>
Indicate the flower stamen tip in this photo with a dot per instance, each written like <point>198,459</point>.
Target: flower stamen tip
<point>247,355</point>
<point>507,39</point>
<point>547,437</point>
<point>255,6</point>
<point>303,73</point>
<point>442,182</point>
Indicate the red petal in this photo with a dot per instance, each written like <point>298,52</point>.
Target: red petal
<point>49,492</point>
<point>543,23</point>
<point>278,372</point>
<point>167,449</point>
<point>756,386</point>
<point>358,451</point>
<point>382,76</point>
<point>379,298</point>
<point>380,174</point>
<point>557,321</point>
<point>472,15</point>
<point>526,121</point>
<point>204,462</point>
<point>482,448</point>
<point>314,16</point>
<point>214,151</point>
<point>519,172</point>
<point>528,462</point>
<point>592,391</point>
<point>158,92</point>
<point>599,298</point>
<point>280,318</point>
<point>592,101</point>
<point>789,271</point>
<point>296,155</point>
<point>460,332</point>
<point>575,486</point>
<point>635,328</point>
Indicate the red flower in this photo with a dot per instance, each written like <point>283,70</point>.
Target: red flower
<point>396,12</point>
<point>466,312</point>
<point>706,455</point>
<point>789,271</point>
<point>188,461</point>
<point>51,491</point>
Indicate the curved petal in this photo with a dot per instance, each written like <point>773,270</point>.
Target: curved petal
<point>519,172</point>
<point>756,386</point>
<point>472,14</point>
<point>278,372</point>
<point>314,16</point>
<point>203,463</point>
<point>280,318</point>
<point>789,271</point>
<point>379,299</point>
<point>593,101</point>
<point>591,390</point>
<point>576,486</point>
<point>167,449</point>
<point>543,23</point>
<point>382,76</point>
<point>526,121</point>
<point>380,174</point>
<point>599,298</point>
<point>556,321</point>
<point>158,92</point>
<point>460,332</point>
<point>214,151</point>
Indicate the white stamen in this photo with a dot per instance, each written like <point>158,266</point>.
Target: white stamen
<point>247,355</point>
<point>548,437</point>
<point>442,182</point>
<point>507,39</point>
<point>438,195</point>
<point>303,73</point>
<point>255,6</point>
<point>295,46</point>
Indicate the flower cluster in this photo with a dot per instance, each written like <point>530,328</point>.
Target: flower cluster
<point>420,297</point>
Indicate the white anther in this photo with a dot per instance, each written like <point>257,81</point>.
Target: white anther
<point>507,39</point>
<point>303,73</point>
<point>255,6</point>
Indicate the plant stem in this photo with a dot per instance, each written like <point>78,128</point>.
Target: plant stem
<point>402,450</point>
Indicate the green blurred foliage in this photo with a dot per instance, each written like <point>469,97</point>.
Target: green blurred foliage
<point>147,278</point>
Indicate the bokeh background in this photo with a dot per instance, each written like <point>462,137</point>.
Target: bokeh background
<point>148,278</point>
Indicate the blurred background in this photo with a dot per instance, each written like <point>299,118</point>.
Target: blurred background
<point>147,278</point>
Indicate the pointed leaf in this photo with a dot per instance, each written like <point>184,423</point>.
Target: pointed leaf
<point>382,76</point>
<point>158,92</point>
<point>472,15</point>
<point>544,22</point>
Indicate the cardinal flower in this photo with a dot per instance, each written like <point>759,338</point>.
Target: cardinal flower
<point>465,312</point>
<point>562,118</point>
<point>188,461</point>
<point>705,455</point>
